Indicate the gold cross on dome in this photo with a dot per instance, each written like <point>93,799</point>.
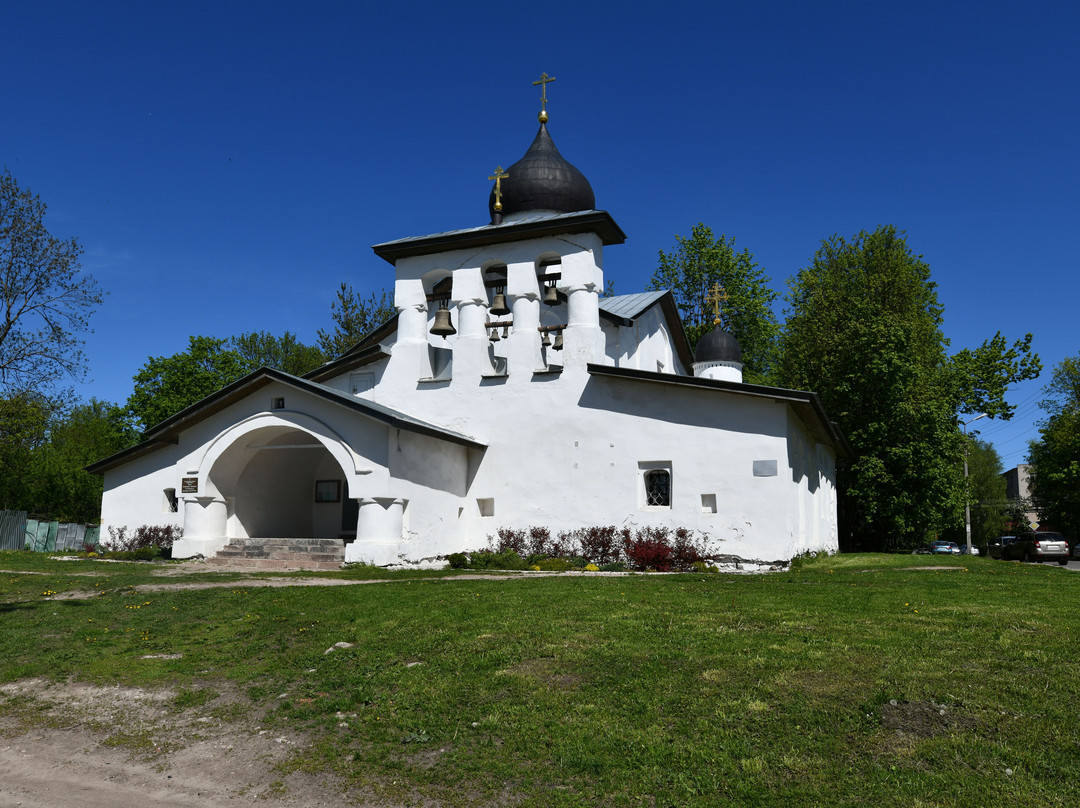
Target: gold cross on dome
<point>716,296</point>
<point>543,82</point>
<point>498,176</point>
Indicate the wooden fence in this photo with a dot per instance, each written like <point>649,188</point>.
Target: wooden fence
<point>19,533</point>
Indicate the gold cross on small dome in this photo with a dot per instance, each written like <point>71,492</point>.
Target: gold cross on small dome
<point>716,296</point>
<point>498,176</point>
<point>543,82</point>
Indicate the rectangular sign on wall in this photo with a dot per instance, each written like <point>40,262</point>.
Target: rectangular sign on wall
<point>189,485</point>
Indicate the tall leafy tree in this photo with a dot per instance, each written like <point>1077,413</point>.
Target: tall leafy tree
<point>990,510</point>
<point>354,317</point>
<point>165,385</point>
<point>864,330</point>
<point>45,297</point>
<point>691,270</point>
<point>77,437</point>
<point>1055,456</point>
<point>24,428</point>
<point>259,348</point>
<point>43,449</point>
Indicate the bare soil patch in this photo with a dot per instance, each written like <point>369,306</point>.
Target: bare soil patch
<point>72,745</point>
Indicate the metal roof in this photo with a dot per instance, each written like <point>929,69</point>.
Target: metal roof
<point>168,431</point>
<point>630,306</point>
<point>521,228</point>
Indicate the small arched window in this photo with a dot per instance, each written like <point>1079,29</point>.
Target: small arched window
<point>658,488</point>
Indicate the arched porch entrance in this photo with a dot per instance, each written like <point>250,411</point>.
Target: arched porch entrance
<point>273,477</point>
<point>281,482</point>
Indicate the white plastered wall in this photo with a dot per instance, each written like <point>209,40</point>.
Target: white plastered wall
<point>256,467</point>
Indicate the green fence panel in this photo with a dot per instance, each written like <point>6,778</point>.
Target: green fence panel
<point>50,540</point>
<point>12,530</point>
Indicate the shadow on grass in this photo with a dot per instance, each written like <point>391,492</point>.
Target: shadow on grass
<point>26,605</point>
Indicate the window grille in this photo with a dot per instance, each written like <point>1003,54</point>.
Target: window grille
<point>658,488</point>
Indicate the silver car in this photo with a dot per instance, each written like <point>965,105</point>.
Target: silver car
<point>1036,547</point>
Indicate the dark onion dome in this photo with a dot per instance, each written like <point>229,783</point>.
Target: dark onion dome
<point>543,180</point>
<point>718,346</point>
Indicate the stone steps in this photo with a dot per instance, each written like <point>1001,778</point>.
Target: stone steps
<point>281,554</point>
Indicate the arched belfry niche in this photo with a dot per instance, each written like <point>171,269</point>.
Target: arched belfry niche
<point>285,475</point>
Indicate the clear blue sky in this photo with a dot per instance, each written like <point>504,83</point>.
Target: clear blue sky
<point>227,164</point>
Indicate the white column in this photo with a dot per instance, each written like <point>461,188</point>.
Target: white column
<point>409,359</point>
<point>205,526</point>
<point>472,353</point>
<point>379,531</point>
<point>583,340</point>
<point>523,354</point>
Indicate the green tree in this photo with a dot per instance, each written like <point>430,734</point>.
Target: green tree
<point>864,330</point>
<point>692,269</point>
<point>1055,456</point>
<point>24,423</point>
<point>990,510</point>
<point>45,298</point>
<point>261,348</point>
<point>43,449</point>
<point>165,385</point>
<point>76,438</point>
<point>354,317</point>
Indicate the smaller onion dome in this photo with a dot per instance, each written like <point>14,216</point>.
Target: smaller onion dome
<point>542,180</point>
<point>718,346</point>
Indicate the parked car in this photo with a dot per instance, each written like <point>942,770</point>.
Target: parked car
<point>1036,547</point>
<point>944,548</point>
<point>1076,550</point>
<point>964,550</point>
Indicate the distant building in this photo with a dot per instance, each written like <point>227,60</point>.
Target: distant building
<point>1018,491</point>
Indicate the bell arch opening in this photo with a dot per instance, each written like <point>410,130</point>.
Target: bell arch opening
<point>282,482</point>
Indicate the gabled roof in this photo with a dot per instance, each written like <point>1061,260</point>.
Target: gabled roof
<point>357,356</point>
<point>168,431</point>
<point>630,306</point>
<point>588,221</point>
<point>624,309</point>
<point>807,405</point>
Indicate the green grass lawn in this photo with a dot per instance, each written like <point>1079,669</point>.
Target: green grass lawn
<point>854,680</point>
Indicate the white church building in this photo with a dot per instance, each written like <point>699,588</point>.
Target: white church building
<point>505,393</point>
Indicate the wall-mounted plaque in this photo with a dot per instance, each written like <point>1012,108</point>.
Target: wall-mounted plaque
<point>189,485</point>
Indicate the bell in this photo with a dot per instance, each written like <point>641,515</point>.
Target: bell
<point>546,341</point>
<point>494,335</point>
<point>442,326</point>
<point>498,305</point>
<point>506,331</point>
<point>551,295</point>
<point>558,342</point>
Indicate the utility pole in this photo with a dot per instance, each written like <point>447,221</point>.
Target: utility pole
<point>967,495</point>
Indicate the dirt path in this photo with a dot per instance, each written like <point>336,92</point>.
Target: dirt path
<point>71,745</point>
<point>77,746</point>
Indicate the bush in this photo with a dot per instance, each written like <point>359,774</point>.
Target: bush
<point>509,541</point>
<point>540,542</point>
<point>600,545</point>
<point>489,560</point>
<point>157,539</point>
<point>648,549</point>
<point>689,549</point>
<point>607,547</point>
<point>555,565</point>
<point>458,561</point>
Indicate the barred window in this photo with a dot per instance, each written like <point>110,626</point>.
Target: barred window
<point>658,488</point>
